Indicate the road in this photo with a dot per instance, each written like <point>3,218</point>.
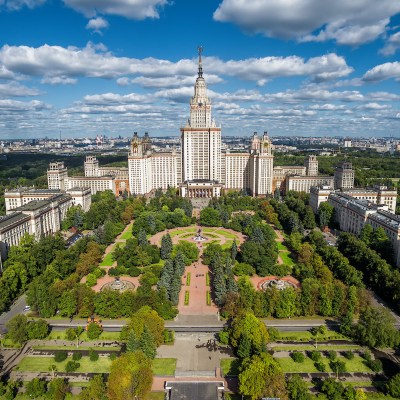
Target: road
<point>16,308</point>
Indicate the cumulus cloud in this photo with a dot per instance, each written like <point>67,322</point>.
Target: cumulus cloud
<point>58,80</point>
<point>382,72</point>
<point>133,9</point>
<point>16,105</point>
<point>97,24</point>
<point>347,22</point>
<point>14,89</point>
<point>15,5</point>
<point>392,45</point>
<point>52,62</point>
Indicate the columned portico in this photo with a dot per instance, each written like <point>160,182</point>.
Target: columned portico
<point>200,189</point>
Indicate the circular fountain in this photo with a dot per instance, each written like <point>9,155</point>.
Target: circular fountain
<point>199,237</point>
<point>119,285</point>
<point>279,284</point>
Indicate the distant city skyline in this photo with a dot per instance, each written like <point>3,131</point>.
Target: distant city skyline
<point>294,68</point>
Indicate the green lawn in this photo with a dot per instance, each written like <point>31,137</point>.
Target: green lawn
<point>81,347</point>
<point>306,335</point>
<point>164,366</point>
<point>107,261</point>
<point>155,396</point>
<point>228,235</point>
<point>286,258</point>
<point>305,347</point>
<point>126,235</point>
<point>354,365</point>
<point>230,366</point>
<point>83,337</point>
<point>281,246</point>
<point>42,364</point>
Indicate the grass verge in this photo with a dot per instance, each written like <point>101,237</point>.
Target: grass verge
<point>186,297</point>
<point>230,366</point>
<point>188,279</point>
<point>164,366</point>
<point>208,298</point>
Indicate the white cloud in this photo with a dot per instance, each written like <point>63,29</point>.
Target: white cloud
<point>113,98</point>
<point>374,106</point>
<point>392,45</point>
<point>133,9</point>
<point>329,66</point>
<point>347,22</point>
<point>15,5</point>
<point>97,24</point>
<point>16,105</point>
<point>58,80</point>
<point>52,62</point>
<point>382,72</point>
<point>14,89</point>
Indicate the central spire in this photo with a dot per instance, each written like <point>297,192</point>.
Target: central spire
<point>200,50</point>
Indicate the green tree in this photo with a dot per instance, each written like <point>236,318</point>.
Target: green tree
<point>133,342</point>
<point>376,328</point>
<point>142,238</point>
<point>35,388</point>
<point>147,343</point>
<point>166,246</point>
<point>318,331</point>
<point>94,331</point>
<point>130,375</point>
<point>393,386</point>
<point>96,390</point>
<point>210,217</point>
<point>67,304</point>
<point>248,324</point>
<point>261,376</point>
<point>57,389</point>
<point>234,250</point>
<point>325,215</point>
<point>297,388</point>
<point>189,251</point>
<point>17,328</point>
<point>38,329</point>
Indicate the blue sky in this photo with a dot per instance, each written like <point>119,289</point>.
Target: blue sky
<point>291,67</point>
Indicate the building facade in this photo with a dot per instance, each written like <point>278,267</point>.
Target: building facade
<point>352,214</point>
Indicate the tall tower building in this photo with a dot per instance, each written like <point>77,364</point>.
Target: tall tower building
<point>201,138</point>
<point>91,166</point>
<point>311,164</point>
<point>57,176</point>
<point>344,176</point>
<point>261,165</point>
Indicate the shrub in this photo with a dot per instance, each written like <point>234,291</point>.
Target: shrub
<point>338,366</point>
<point>169,336</point>
<point>273,334</point>
<point>134,271</point>
<point>367,355</point>
<point>99,272</point>
<point>91,280</point>
<point>375,365</point>
<point>332,355</point>
<point>77,356</point>
<point>243,269</point>
<point>223,337</point>
<point>297,356</point>
<point>93,355</point>
<point>94,331</point>
<point>208,298</point>
<point>72,366</point>
<point>208,280</point>
<point>112,356</point>
<point>349,354</point>
<point>60,356</point>
<point>114,272</point>
<point>70,334</point>
<point>315,355</point>
<point>320,366</point>
<point>188,279</point>
<point>186,298</point>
